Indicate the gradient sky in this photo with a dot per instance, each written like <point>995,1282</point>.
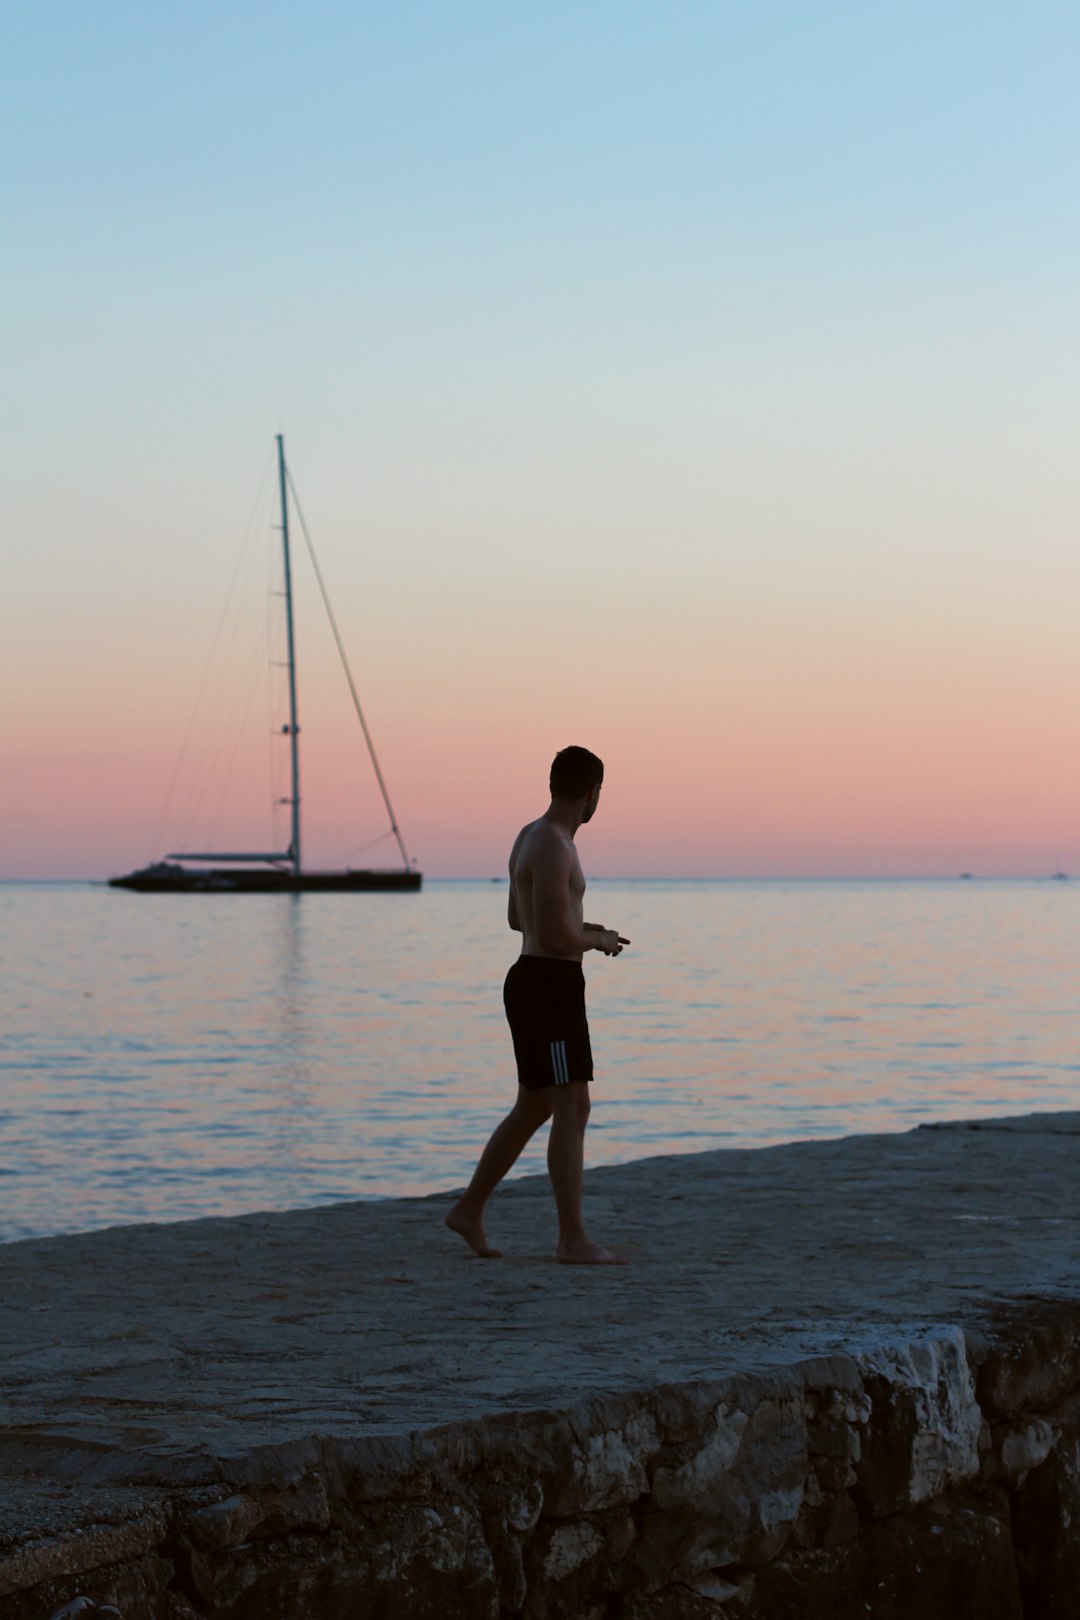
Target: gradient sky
<point>696,382</point>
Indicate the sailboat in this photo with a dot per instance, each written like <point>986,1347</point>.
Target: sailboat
<point>283,872</point>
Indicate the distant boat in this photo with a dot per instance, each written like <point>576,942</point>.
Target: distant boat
<point>279,873</point>
<point>1061,877</point>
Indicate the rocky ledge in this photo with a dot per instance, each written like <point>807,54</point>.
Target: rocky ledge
<point>839,1379</point>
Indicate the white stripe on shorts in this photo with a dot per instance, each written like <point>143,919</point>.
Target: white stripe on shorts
<point>558,1063</point>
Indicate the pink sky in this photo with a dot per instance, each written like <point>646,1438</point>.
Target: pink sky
<point>820,748</point>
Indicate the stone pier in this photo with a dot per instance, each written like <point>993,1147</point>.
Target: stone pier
<point>837,1379</point>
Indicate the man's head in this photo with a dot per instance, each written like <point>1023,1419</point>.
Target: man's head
<point>577,774</point>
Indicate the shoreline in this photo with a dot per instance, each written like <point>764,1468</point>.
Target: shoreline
<point>449,1194</point>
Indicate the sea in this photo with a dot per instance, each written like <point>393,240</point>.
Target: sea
<point>165,1057</point>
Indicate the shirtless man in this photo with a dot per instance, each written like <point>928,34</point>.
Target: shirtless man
<point>544,996</point>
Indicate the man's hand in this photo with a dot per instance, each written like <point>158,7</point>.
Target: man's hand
<point>610,942</point>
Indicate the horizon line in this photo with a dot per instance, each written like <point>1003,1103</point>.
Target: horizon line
<point>701,877</point>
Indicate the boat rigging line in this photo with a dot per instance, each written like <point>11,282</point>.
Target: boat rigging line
<point>219,654</point>
<point>348,672</point>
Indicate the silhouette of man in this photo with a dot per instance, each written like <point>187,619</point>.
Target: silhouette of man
<point>544,996</point>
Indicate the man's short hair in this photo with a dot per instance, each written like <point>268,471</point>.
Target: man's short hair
<point>574,773</point>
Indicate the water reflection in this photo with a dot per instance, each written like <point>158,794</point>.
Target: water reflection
<point>168,1056</point>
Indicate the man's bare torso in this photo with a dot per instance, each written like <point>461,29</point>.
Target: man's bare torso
<point>540,855</point>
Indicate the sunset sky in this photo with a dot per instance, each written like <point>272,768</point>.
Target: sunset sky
<point>697,382</point>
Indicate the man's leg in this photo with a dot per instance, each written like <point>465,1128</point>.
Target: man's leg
<point>566,1166</point>
<point>507,1140</point>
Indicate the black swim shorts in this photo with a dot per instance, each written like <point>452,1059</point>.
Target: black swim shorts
<point>545,1007</point>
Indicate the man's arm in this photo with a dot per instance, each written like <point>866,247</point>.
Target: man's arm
<point>512,915</point>
<point>553,927</point>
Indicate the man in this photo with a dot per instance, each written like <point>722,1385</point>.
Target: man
<point>544,996</point>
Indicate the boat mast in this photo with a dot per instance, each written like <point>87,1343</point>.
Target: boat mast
<point>293,727</point>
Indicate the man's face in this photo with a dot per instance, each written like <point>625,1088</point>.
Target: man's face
<point>593,801</point>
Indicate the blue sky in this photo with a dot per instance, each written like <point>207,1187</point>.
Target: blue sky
<point>454,201</point>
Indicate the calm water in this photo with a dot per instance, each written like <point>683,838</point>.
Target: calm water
<point>172,1056</point>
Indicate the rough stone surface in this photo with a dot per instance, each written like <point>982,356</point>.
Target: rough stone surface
<point>1046,1531</point>
<point>838,1378</point>
<point>922,1431</point>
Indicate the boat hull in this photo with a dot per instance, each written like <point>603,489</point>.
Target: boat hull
<point>219,880</point>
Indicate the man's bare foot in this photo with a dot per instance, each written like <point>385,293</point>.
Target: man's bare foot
<point>587,1254</point>
<point>473,1233</point>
